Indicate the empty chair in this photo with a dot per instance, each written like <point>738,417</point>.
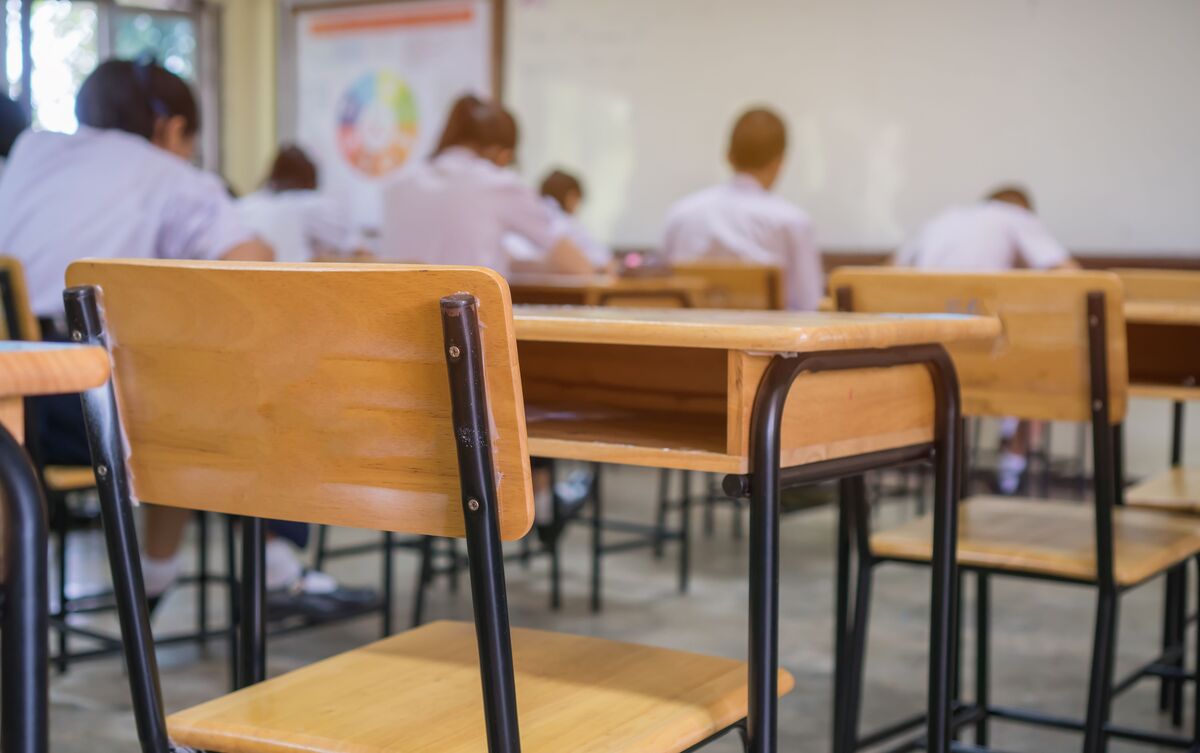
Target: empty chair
<point>370,396</point>
<point>1061,357</point>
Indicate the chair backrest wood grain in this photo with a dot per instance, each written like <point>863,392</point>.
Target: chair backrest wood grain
<point>737,286</point>
<point>307,392</point>
<point>1160,284</point>
<point>1038,367</point>
<point>17,321</point>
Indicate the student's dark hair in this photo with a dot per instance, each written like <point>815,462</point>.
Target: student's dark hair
<point>12,122</point>
<point>292,170</point>
<point>759,137</point>
<point>1012,194</point>
<point>473,123</point>
<point>133,96</point>
<point>558,185</point>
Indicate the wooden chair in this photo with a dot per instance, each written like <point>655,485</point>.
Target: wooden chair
<point>1164,364</point>
<point>1061,357</point>
<point>60,483</point>
<point>368,396</point>
<point>28,369</point>
<point>737,286</point>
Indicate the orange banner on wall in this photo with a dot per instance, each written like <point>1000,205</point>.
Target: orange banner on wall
<point>359,22</point>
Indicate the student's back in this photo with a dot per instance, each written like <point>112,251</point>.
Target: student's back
<point>741,220</point>
<point>106,194</point>
<point>456,208</point>
<point>989,236</point>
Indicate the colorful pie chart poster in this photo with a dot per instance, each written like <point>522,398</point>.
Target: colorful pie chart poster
<point>374,83</point>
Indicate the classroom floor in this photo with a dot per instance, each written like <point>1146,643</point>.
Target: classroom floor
<point>1041,634</point>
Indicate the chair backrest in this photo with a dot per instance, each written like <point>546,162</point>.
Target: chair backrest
<point>17,321</point>
<point>1160,284</point>
<point>737,286</point>
<point>1039,367</point>
<point>306,392</point>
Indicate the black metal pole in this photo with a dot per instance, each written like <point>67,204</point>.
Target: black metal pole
<point>252,647</point>
<point>841,614</point>
<point>1177,434</point>
<point>485,558</point>
<point>116,507</point>
<point>24,657</point>
<point>983,629</point>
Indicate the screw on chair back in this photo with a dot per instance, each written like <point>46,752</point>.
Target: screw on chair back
<point>314,393</point>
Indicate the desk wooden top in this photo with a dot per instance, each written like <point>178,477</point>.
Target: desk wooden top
<point>31,368</point>
<point>646,283</point>
<point>1162,312</point>
<point>765,331</point>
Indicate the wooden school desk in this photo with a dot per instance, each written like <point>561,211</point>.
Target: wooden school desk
<point>666,290</point>
<point>708,391</point>
<point>30,369</point>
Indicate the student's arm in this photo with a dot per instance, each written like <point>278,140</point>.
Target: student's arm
<point>1039,249</point>
<point>251,250</point>
<point>523,213</point>
<point>806,275</point>
<point>202,222</point>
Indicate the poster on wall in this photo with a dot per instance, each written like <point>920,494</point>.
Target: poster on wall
<point>374,84</point>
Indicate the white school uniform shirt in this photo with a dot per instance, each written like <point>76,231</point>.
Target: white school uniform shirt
<point>106,194</point>
<point>989,236</point>
<point>563,225</point>
<point>741,220</point>
<point>456,208</point>
<point>298,224</point>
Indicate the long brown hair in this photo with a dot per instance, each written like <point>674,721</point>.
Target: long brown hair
<point>473,123</point>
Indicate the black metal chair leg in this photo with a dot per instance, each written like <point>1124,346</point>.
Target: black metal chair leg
<point>423,577</point>
<point>252,648</point>
<point>231,574</point>
<point>62,528</point>
<point>202,579</point>
<point>860,620</point>
<point>386,602</point>
<point>24,686</point>
<point>1180,642</point>
<point>1170,602</point>
<point>660,520</point>
<point>1196,671</point>
<point>685,533</point>
<point>556,553</point>
<point>597,543</point>
<point>841,614</point>
<point>1101,678</point>
<point>983,649</point>
<point>322,548</point>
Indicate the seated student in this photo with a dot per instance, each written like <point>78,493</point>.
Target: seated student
<point>290,213</point>
<point>13,122</point>
<point>563,193</point>
<point>121,187</point>
<point>1001,232</point>
<point>456,207</point>
<point>741,220</point>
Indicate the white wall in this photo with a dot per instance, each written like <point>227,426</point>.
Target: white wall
<point>896,108</point>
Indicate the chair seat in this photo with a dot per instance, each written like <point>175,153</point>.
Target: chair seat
<point>68,478</point>
<point>420,692</point>
<point>1177,490</point>
<point>1050,538</point>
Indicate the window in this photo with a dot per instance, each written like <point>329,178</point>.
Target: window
<point>69,38</point>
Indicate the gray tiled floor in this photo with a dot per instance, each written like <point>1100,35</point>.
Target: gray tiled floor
<point>1041,633</point>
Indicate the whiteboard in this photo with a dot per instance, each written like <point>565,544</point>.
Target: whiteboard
<point>896,109</point>
<point>373,84</point>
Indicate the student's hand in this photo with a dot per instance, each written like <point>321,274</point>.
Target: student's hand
<point>254,250</point>
<point>566,258</point>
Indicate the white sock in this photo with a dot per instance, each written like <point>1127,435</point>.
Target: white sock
<point>159,574</point>
<point>283,566</point>
<point>1009,470</point>
<point>543,505</point>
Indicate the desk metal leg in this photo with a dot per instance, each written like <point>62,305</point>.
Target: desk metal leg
<point>23,665</point>
<point>764,488</point>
